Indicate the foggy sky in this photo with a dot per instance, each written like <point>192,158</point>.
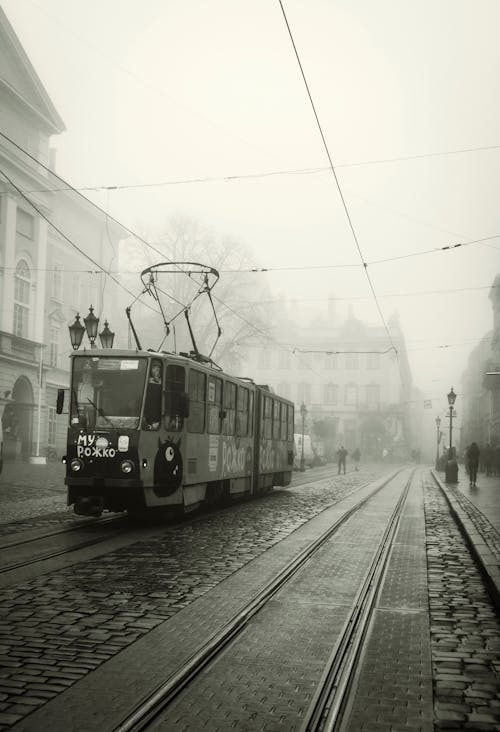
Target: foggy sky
<point>406,93</point>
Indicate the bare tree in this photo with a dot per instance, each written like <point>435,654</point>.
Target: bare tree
<point>237,297</point>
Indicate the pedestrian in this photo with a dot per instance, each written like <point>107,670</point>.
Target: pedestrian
<point>356,456</point>
<point>341,456</point>
<point>473,453</point>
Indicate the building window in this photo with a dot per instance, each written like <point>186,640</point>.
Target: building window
<point>54,347</point>
<point>264,358</point>
<point>331,393</point>
<point>51,430</point>
<point>283,389</point>
<point>372,394</point>
<point>373,361</point>
<point>304,393</point>
<point>351,395</point>
<point>283,359</point>
<point>331,361</point>
<point>351,361</point>
<point>22,287</point>
<point>57,283</point>
<point>25,224</point>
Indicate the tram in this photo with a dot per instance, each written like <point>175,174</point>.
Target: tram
<point>156,430</point>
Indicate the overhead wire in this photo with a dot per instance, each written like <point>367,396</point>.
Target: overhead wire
<point>344,204</point>
<point>84,254</point>
<point>272,173</point>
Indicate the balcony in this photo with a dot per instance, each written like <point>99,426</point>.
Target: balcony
<point>18,348</point>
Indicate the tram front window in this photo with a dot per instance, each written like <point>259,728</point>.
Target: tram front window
<point>107,392</point>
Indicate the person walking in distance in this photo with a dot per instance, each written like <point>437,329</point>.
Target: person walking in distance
<point>341,456</point>
<point>473,453</point>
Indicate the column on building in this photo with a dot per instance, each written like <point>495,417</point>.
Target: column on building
<point>8,236</point>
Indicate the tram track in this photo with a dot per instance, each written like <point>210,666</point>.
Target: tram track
<point>33,549</point>
<point>29,551</point>
<point>339,669</point>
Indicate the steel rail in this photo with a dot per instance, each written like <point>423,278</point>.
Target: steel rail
<point>326,708</point>
<point>152,706</point>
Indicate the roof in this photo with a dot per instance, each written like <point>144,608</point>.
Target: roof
<point>19,79</point>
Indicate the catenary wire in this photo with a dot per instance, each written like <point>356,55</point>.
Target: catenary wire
<point>344,204</point>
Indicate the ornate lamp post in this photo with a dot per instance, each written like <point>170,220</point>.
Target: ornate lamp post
<point>91,323</point>
<point>438,440</point>
<point>451,473</point>
<point>106,336</point>
<point>451,401</point>
<point>303,412</point>
<point>76,331</point>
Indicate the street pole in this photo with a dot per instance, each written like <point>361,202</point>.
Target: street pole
<point>450,454</point>
<point>451,471</point>
<point>303,414</point>
<point>438,424</point>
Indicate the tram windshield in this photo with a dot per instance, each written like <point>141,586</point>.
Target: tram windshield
<point>107,392</point>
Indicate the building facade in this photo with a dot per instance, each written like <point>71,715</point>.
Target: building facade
<point>481,384</point>
<point>48,237</point>
<point>355,386</point>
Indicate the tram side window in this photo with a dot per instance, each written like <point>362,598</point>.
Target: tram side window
<point>152,405</point>
<point>242,412</point>
<point>214,405</point>
<point>229,403</point>
<point>291,418</point>
<point>196,420</point>
<point>276,419</point>
<point>267,417</point>
<point>284,416</point>
<point>174,396</point>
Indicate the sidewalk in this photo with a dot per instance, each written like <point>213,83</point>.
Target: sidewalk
<point>28,490</point>
<point>486,496</point>
<point>478,512</point>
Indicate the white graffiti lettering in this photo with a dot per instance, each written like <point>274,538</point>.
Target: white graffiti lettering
<point>97,452</point>
<point>233,457</point>
<point>267,456</point>
<point>85,439</point>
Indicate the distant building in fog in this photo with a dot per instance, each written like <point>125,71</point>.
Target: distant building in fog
<point>44,278</point>
<point>481,384</point>
<point>355,388</point>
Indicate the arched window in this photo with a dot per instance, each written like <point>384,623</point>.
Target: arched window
<point>22,293</point>
<point>351,395</point>
<point>330,395</point>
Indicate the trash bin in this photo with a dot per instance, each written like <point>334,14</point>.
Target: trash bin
<point>451,471</point>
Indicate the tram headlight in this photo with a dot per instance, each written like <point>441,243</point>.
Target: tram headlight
<point>76,465</point>
<point>127,466</point>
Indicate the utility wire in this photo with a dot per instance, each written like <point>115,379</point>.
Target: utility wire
<point>269,173</point>
<point>66,238</point>
<point>344,204</point>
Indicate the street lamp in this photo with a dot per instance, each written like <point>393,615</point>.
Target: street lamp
<point>451,401</point>
<point>106,336</point>
<point>76,331</point>
<point>451,473</point>
<point>91,323</point>
<point>438,439</point>
<point>303,412</point>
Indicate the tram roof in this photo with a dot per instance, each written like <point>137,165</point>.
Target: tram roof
<point>176,358</point>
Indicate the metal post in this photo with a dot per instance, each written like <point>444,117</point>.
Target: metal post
<point>438,436</point>
<point>303,411</point>
<point>451,427</point>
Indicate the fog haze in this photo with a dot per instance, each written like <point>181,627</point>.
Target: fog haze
<point>200,107</point>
